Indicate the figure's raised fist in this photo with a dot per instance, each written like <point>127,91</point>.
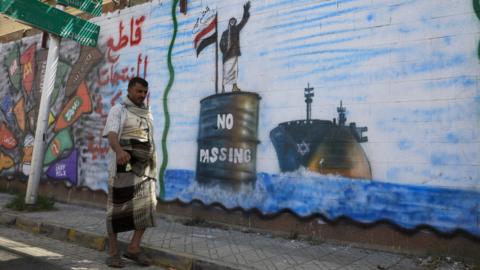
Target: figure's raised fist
<point>246,7</point>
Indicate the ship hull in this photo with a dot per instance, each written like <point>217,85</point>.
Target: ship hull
<point>320,146</point>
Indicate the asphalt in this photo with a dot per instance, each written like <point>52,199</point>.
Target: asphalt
<point>12,260</point>
<point>173,244</point>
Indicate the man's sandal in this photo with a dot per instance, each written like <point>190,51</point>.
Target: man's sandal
<point>139,257</point>
<point>115,261</point>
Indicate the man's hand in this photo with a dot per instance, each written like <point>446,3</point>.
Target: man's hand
<point>122,157</point>
<point>246,7</point>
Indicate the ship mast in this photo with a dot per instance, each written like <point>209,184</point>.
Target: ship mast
<point>308,100</point>
<point>341,115</point>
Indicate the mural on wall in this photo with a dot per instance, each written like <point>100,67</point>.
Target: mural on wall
<point>280,120</point>
<point>25,63</point>
<point>372,67</point>
<point>75,150</point>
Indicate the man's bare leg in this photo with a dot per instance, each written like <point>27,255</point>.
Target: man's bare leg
<point>112,244</point>
<point>134,246</point>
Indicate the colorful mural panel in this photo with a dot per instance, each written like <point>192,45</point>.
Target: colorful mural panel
<point>356,108</point>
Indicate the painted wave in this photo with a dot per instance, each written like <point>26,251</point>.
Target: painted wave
<point>408,206</point>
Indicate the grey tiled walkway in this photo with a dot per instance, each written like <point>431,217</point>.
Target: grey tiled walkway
<point>59,254</point>
<point>225,249</point>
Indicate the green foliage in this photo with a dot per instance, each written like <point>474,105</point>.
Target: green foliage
<point>42,204</point>
<point>4,189</point>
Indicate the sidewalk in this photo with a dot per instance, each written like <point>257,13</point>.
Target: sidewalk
<point>173,244</point>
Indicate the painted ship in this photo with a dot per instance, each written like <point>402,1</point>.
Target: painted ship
<point>323,146</point>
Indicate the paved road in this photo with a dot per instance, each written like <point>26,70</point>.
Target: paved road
<point>20,250</point>
<point>10,259</point>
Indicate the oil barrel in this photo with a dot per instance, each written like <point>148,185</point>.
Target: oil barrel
<point>228,138</point>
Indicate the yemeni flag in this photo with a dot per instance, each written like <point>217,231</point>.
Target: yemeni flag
<point>206,35</point>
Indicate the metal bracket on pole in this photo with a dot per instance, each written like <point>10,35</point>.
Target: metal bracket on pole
<point>36,169</point>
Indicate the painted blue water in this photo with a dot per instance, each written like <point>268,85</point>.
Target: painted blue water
<point>366,201</point>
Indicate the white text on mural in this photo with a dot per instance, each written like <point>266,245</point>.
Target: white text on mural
<point>60,170</point>
<point>224,121</point>
<point>225,154</point>
<point>236,155</point>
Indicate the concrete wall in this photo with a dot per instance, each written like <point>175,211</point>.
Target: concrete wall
<point>404,72</point>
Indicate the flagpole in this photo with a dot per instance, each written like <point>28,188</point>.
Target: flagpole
<point>216,54</point>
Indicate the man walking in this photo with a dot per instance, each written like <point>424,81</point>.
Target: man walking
<point>132,198</point>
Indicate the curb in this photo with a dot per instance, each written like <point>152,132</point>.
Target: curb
<point>161,257</point>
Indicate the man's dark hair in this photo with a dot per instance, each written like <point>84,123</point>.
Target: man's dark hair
<point>136,80</point>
